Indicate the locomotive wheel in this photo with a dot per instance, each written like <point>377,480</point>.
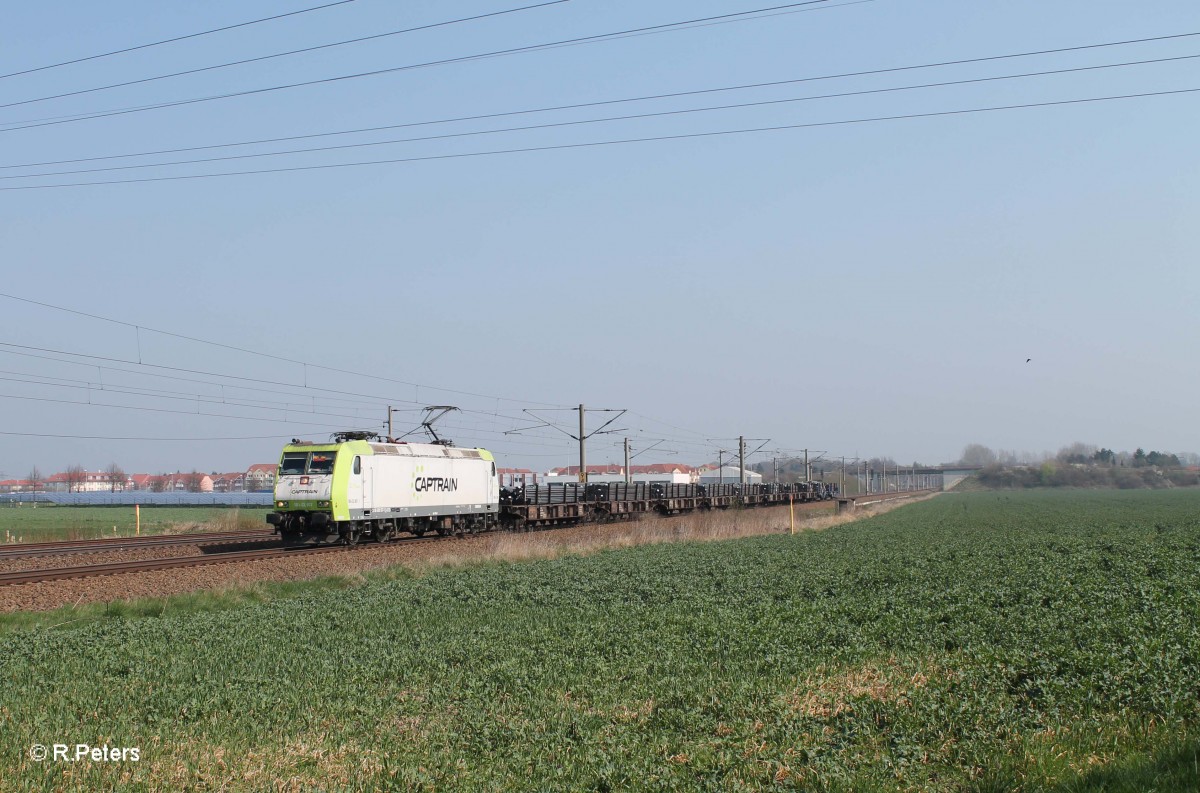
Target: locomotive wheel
<point>384,534</point>
<point>417,531</point>
<point>351,536</point>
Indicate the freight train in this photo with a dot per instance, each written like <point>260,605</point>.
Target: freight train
<point>360,486</point>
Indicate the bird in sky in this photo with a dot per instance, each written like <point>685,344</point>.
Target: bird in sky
<point>1027,360</point>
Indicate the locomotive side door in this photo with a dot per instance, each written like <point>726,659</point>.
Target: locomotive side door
<point>354,487</point>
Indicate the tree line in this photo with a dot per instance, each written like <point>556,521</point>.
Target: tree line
<point>1083,465</point>
<point>75,477</point>
<point>978,455</point>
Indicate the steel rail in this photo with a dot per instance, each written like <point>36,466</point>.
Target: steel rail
<point>144,565</point>
<point>23,549</point>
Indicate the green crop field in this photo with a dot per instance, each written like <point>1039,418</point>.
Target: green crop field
<point>1025,641</point>
<point>46,523</point>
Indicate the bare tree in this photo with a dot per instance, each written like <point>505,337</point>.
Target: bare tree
<point>977,454</point>
<point>115,476</point>
<point>34,478</point>
<point>1078,453</point>
<point>158,483</point>
<point>193,481</point>
<point>76,475</point>
<point>1011,457</point>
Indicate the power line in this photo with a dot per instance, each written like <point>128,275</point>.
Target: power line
<point>680,28</point>
<point>145,409</point>
<point>619,142</point>
<point>582,105</point>
<point>180,396</point>
<point>291,422</point>
<point>282,54</point>
<point>245,350</point>
<point>158,394</point>
<point>378,400</point>
<point>172,40</point>
<point>128,438</point>
<point>239,378</point>
<point>609,119</point>
<point>408,67</point>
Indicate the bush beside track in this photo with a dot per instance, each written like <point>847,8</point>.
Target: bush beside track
<point>982,641</point>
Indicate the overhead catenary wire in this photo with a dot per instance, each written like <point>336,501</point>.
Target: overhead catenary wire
<point>174,39</point>
<point>376,399</point>
<point>535,440</point>
<point>356,418</point>
<point>244,61</point>
<point>239,378</point>
<point>207,399</point>
<point>143,438</point>
<point>376,402</point>
<point>292,421</point>
<point>610,119</point>
<point>600,103</point>
<point>248,351</point>
<point>407,67</point>
<point>618,142</point>
<point>542,439</point>
<point>539,440</point>
<point>154,410</point>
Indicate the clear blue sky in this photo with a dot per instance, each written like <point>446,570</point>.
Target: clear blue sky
<point>870,289</point>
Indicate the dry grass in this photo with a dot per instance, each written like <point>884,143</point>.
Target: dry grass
<point>828,692</point>
<point>231,520</point>
<point>654,530</point>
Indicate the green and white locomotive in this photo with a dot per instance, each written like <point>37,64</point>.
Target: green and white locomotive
<point>359,487</point>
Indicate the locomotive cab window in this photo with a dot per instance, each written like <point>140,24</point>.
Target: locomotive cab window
<point>293,463</point>
<point>358,465</point>
<point>321,463</point>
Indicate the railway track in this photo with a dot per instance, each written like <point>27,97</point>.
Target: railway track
<point>143,565</point>
<point>867,499</point>
<point>227,557</point>
<point>27,549</point>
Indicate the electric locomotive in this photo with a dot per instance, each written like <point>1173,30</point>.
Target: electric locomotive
<point>360,487</point>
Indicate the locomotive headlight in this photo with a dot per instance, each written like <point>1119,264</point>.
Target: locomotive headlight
<point>281,504</point>
<point>322,503</point>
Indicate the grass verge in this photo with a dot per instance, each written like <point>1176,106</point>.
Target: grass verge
<point>48,523</point>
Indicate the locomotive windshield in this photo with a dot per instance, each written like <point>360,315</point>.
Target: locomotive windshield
<point>306,463</point>
<point>293,463</point>
<point>321,463</point>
